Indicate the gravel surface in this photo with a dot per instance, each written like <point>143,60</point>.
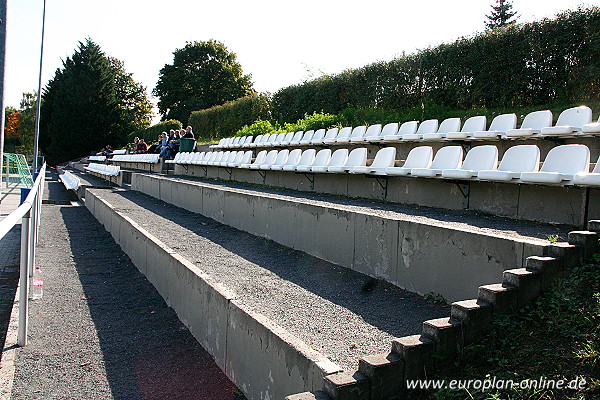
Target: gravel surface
<point>460,219</point>
<point>102,331</point>
<point>341,313</point>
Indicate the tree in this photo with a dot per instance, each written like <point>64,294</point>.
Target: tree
<point>203,75</point>
<point>133,100</point>
<point>90,102</point>
<point>501,15</point>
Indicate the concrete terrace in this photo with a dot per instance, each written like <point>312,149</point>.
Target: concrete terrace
<point>101,331</point>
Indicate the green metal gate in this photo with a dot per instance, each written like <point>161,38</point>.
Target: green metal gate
<point>17,170</point>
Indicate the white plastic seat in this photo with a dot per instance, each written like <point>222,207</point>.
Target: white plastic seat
<point>260,158</point>
<point>477,159</point>
<point>278,139</point>
<point>569,122</point>
<point>447,125</point>
<point>342,133</point>
<point>429,126</point>
<point>306,159</point>
<point>500,124</point>
<point>176,160</point>
<point>532,124</point>
<point>337,160</point>
<point>298,137</point>
<point>247,140</point>
<point>308,135</point>
<point>291,160</point>
<point>270,140</point>
<point>389,130</point>
<point>357,132</point>
<point>269,160</point>
<point>281,158</point>
<point>472,125</point>
<point>217,157</point>
<point>225,161</point>
<point>207,157</point>
<point>246,159</point>
<point>287,139</point>
<point>70,181</point>
<point>356,158</point>
<point>516,160</point>
<point>371,133</point>
<point>418,157</point>
<point>233,142</point>
<point>448,157</point>
<point>212,157</point>
<point>236,160</point>
<point>221,157</point>
<point>256,141</point>
<point>395,135</point>
<point>384,158</point>
<point>320,135</point>
<point>593,128</point>
<point>585,178</point>
<point>197,158</point>
<point>241,140</point>
<point>97,158</point>
<point>561,164</point>
<point>218,145</point>
<point>321,160</point>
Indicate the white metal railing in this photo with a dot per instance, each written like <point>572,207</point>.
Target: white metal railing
<point>29,214</point>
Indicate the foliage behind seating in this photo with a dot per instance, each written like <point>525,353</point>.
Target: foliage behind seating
<point>151,134</point>
<point>543,62</point>
<point>225,120</point>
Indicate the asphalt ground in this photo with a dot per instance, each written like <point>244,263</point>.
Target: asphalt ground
<point>101,330</point>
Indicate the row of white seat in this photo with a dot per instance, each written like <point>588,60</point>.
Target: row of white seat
<point>97,158</point>
<point>103,169</point>
<point>574,121</point>
<point>70,181</point>
<point>137,158</point>
<point>564,165</point>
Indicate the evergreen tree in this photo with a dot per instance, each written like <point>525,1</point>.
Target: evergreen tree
<point>501,15</point>
<point>203,74</point>
<point>90,102</point>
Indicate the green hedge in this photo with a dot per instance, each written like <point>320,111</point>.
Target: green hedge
<point>547,61</point>
<point>225,120</point>
<point>150,134</point>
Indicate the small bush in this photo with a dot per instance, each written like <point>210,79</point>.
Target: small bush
<point>259,127</point>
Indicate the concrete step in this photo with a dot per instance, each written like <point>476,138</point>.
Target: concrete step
<point>275,302</point>
<point>423,250</point>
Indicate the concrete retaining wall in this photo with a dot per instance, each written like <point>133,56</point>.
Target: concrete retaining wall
<point>566,205</point>
<point>419,256</point>
<point>261,358</point>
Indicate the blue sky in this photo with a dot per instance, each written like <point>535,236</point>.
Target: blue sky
<point>279,42</point>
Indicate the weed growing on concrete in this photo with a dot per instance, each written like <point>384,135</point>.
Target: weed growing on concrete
<point>556,337</point>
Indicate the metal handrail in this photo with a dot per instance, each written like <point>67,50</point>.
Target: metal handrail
<point>29,214</point>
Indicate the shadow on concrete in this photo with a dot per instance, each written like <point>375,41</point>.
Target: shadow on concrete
<point>387,307</point>
<point>148,353</point>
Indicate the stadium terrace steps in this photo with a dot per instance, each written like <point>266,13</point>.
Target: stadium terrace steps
<point>276,320</point>
<point>420,249</point>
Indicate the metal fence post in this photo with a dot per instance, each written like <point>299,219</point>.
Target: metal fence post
<point>24,280</point>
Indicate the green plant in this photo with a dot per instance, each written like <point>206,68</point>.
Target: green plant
<point>259,127</point>
<point>500,68</point>
<point>552,238</point>
<point>435,298</point>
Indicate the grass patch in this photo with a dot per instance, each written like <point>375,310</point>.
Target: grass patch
<point>557,337</point>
